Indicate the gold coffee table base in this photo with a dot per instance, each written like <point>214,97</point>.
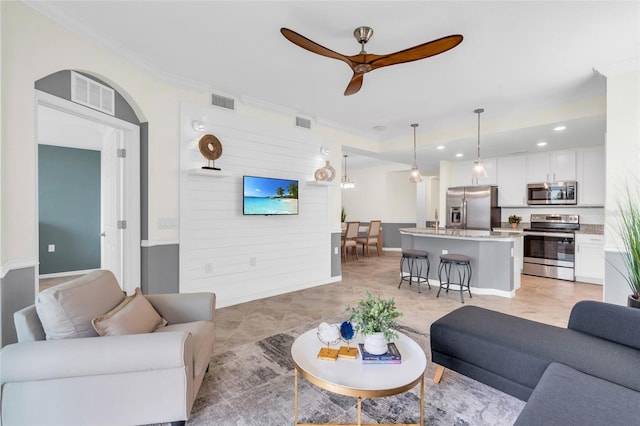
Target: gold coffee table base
<point>359,394</point>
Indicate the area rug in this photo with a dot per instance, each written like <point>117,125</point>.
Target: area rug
<point>253,385</point>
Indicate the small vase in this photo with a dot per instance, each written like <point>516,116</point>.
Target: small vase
<point>375,343</point>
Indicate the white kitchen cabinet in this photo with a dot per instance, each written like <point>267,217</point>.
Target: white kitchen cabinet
<point>512,181</point>
<point>551,166</point>
<point>589,261</point>
<point>462,173</point>
<point>590,174</point>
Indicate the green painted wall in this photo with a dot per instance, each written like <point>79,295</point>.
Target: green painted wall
<point>69,208</point>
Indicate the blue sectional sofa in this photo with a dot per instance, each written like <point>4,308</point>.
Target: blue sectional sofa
<point>587,373</point>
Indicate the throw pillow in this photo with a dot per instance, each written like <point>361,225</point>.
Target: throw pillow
<point>134,315</point>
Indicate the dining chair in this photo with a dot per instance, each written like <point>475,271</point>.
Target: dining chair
<point>349,239</point>
<point>373,233</point>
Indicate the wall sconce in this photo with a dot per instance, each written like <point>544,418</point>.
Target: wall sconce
<point>198,126</point>
<point>324,150</point>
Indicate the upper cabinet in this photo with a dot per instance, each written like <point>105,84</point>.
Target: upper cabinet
<point>462,173</point>
<point>551,166</point>
<point>512,181</point>
<point>591,176</point>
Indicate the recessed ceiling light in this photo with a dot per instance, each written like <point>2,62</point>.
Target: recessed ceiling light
<point>559,128</point>
<point>440,147</point>
<point>459,155</point>
<point>379,128</point>
<point>541,143</point>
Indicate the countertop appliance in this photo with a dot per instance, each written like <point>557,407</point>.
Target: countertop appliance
<point>473,207</point>
<point>552,193</point>
<point>549,246</point>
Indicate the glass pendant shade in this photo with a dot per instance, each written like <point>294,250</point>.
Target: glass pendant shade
<point>415,175</point>
<point>478,170</point>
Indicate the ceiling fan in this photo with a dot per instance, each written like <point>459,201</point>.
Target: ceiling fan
<point>364,62</point>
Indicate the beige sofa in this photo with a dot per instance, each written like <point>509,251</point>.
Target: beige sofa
<point>61,372</point>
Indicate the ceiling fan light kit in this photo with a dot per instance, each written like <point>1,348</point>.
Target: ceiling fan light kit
<point>478,170</point>
<point>364,62</point>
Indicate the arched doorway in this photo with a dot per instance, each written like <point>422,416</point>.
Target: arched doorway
<point>118,148</point>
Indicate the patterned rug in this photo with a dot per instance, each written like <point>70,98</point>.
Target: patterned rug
<point>253,385</point>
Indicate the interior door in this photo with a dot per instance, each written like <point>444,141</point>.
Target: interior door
<point>111,196</point>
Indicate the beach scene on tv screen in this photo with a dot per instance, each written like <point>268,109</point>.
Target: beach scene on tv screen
<point>270,196</point>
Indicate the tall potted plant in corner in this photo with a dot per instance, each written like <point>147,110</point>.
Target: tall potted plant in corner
<point>375,319</point>
<point>629,231</point>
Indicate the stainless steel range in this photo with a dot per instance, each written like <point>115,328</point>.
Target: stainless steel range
<point>549,246</point>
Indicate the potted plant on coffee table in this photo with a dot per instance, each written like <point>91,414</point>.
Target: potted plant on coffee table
<point>375,320</point>
<point>629,231</point>
<point>514,220</point>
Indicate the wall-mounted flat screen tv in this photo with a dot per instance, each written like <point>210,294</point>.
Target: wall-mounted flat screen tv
<point>269,196</point>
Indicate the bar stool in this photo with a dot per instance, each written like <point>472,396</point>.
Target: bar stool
<point>415,259</point>
<point>461,265</point>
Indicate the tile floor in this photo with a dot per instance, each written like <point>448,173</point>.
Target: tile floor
<point>539,299</point>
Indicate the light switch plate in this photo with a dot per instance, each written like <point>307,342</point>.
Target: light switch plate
<point>51,248</point>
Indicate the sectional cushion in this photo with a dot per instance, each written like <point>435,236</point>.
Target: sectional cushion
<point>134,315</point>
<point>66,310</point>
<point>565,396</point>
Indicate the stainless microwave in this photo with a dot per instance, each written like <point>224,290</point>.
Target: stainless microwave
<point>552,193</point>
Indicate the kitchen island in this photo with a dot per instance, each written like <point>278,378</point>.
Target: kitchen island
<point>495,256</point>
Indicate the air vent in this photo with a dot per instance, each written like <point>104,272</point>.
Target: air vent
<point>303,122</point>
<point>222,101</point>
<point>90,93</point>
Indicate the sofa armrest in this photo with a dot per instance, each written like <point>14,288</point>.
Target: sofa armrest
<point>94,356</point>
<point>179,308</point>
<point>615,323</point>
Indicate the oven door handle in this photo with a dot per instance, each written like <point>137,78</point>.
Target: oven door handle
<point>549,234</point>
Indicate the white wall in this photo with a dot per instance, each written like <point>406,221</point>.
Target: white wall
<point>242,258</point>
<point>380,193</point>
<point>623,157</point>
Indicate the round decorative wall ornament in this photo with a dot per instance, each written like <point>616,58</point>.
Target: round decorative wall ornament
<point>211,149</point>
<point>325,173</point>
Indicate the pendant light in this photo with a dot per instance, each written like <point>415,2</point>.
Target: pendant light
<point>415,176</point>
<point>478,167</point>
<point>346,182</point>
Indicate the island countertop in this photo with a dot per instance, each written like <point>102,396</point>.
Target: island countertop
<point>467,234</point>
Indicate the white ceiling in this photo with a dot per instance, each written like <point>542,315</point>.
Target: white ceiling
<point>517,56</point>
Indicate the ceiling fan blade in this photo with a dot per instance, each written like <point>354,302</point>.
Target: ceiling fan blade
<point>354,85</point>
<point>421,51</point>
<point>312,46</point>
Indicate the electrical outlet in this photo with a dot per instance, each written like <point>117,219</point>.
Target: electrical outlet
<point>335,250</point>
<point>252,261</point>
<point>51,248</point>
<point>208,268</point>
<point>445,251</point>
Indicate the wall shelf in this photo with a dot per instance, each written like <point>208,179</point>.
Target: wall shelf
<point>208,173</point>
<point>320,183</point>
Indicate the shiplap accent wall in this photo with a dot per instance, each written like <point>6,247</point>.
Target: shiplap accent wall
<point>243,258</point>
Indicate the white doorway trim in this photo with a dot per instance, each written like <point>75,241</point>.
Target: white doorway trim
<point>130,175</point>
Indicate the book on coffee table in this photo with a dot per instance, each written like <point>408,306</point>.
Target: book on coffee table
<point>392,356</point>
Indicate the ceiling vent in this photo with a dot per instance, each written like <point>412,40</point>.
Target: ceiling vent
<point>223,101</point>
<point>88,92</point>
<point>303,122</point>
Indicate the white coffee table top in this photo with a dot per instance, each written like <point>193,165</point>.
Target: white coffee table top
<point>353,378</point>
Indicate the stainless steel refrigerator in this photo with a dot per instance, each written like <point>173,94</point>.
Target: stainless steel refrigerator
<point>473,207</point>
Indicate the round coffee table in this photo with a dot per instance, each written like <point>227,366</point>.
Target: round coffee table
<point>351,377</point>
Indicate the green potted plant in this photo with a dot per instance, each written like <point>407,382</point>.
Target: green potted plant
<point>375,319</point>
<point>514,220</point>
<point>629,231</point>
